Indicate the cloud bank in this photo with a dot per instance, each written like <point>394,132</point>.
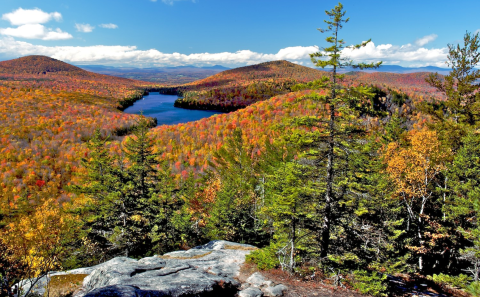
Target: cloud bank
<point>405,55</point>
<point>29,25</point>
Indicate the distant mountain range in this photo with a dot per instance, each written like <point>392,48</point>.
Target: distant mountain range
<point>190,73</point>
<point>94,68</point>
<point>400,69</point>
<point>164,75</point>
<point>383,68</point>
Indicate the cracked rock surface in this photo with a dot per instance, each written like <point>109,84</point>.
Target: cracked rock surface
<point>206,270</point>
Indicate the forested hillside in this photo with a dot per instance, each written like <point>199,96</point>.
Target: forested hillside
<point>237,88</point>
<point>48,110</point>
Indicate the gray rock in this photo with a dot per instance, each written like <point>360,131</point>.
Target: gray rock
<point>114,291</point>
<point>275,291</point>
<point>222,244</point>
<point>257,280</point>
<point>207,269</point>
<point>40,284</point>
<point>250,292</point>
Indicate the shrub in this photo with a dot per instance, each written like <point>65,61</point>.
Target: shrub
<point>474,289</point>
<point>459,281</point>
<point>264,258</point>
<point>371,283</point>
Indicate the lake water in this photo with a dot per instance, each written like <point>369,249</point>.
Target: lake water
<point>161,107</point>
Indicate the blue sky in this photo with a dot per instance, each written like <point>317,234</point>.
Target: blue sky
<point>146,33</point>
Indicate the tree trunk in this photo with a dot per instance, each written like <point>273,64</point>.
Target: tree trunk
<point>294,238</point>
<point>328,196</point>
<point>329,191</point>
<point>420,234</point>
<point>476,270</point>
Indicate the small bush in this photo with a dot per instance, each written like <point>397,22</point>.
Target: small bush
<point>459,281</point>
<point>474,289</point>
<point>264,258</point>
<point>370,283</point>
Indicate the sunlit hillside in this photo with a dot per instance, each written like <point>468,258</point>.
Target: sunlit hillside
<point>237,88</point>
<point>48,110</point>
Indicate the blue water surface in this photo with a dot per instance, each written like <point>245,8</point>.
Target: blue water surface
<point>161,107</point>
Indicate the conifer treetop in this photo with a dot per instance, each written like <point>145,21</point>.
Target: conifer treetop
<point>333,53</point>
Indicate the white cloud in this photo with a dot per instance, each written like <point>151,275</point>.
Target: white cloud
<point>394,54</point>
<point>405,55</point>
<point>57,34</point>
<point>30,16</point>
<point>108,26</point>
<point>295,52</point>
<point>85,28</point>
<point>426,39</point>
<point>35,31</point>
<point>29,25</point>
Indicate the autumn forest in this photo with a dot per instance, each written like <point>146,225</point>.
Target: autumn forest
<point>339,178</point>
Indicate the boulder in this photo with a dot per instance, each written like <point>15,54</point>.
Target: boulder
<point>250,292</point>
<point>275,291</point>
<point>257,280</point>
<point>205,270</point>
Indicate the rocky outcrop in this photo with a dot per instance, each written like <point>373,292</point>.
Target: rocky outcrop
<point>208,270</point>
<point>257,285</point>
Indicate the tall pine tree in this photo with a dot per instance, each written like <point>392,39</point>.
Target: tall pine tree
<point>461,110</point>
<point>338,129</point>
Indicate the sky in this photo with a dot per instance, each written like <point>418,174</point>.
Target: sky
<point>232,33</point>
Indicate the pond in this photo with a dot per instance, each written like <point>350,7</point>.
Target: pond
<point>161,107</point>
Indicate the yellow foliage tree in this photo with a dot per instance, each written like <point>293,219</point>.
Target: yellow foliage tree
<point>37,240</point>
<point>413,170</point>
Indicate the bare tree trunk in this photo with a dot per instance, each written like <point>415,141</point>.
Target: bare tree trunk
<point>476,271</point>
<point>419,233</point>
<point>294,238</point>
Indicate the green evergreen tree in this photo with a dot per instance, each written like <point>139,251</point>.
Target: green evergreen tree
<point>140,183</point>
<point>464,205</point>
<point>135,209</point>
<point>234,214</point>
<point>170,223</point>
<point>101,184</point>
<point>461,110</point>
<point>289,207</point>
<point>333,143</point>
<point>456,119</point>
